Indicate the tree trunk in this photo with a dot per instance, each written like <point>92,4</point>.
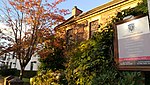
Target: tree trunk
<point>21,73</point>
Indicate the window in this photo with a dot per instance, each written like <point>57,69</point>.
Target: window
<point>31,68</point>
<point>93,27</point>
<point>13,56</point>
<point>10,65</point>
<point>80,34</point>
<point>4,58</point>
<point>32,64</point>
<point>14,65</point>
<point>6,63</point>
<point>70,37</point>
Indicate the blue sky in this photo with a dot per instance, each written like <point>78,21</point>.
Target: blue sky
<point>84,5</point>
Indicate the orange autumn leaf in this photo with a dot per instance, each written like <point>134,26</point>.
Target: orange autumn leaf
<point>12,3</point>
<point>27,4</point>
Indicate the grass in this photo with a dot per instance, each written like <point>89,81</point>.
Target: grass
<point>26,79</point>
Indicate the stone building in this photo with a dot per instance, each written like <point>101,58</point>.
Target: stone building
<point>81,26</point>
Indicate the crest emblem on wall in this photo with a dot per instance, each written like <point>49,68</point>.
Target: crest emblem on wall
<point>131,27</point>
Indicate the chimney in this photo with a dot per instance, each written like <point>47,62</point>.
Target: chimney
<point>76,11</point>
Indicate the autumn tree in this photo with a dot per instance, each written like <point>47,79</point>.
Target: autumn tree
<point>28,25</point>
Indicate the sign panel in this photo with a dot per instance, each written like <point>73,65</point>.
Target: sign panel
<point>133,43</point>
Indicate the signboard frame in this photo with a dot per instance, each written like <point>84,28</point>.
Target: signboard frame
<point>116,49</point>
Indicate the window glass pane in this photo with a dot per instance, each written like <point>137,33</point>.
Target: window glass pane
<point>70,37</point>
<point>93,27</point>
<point>80,34</point>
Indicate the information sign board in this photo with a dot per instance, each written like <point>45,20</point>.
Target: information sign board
<point>132,44</point>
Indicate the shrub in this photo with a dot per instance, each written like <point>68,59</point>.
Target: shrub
<point>29,74</point>
<point>92,62</point>
<point>49,78</point>
<point>5,71</point>
<point>54,58</point>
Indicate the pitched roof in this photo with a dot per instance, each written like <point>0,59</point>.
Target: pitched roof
<point>102,7</point>
<point>71,19</point>
<point>92,11</point>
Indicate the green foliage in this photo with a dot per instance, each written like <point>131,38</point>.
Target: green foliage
<point>28,74</point>
<point>53,54</point>
<point>6,71</point>
<point>92,62</point>
<point>49,71</point>
<point>49,78</point>
<point>131,78</point>
<point>54,60</point>
<point>140,9</point>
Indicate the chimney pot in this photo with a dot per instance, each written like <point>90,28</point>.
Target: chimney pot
<point>76,11</point>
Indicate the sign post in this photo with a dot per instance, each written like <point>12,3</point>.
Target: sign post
<point>132,48</point>
<point>148,3</point>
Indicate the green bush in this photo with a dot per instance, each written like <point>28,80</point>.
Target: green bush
<point>49,78</point>
<point>29,74</point>
<point>51,69</point>
<point>92,62</point>
<point>131,78</point>
<point>53,61</point>
<point>5,71</point>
